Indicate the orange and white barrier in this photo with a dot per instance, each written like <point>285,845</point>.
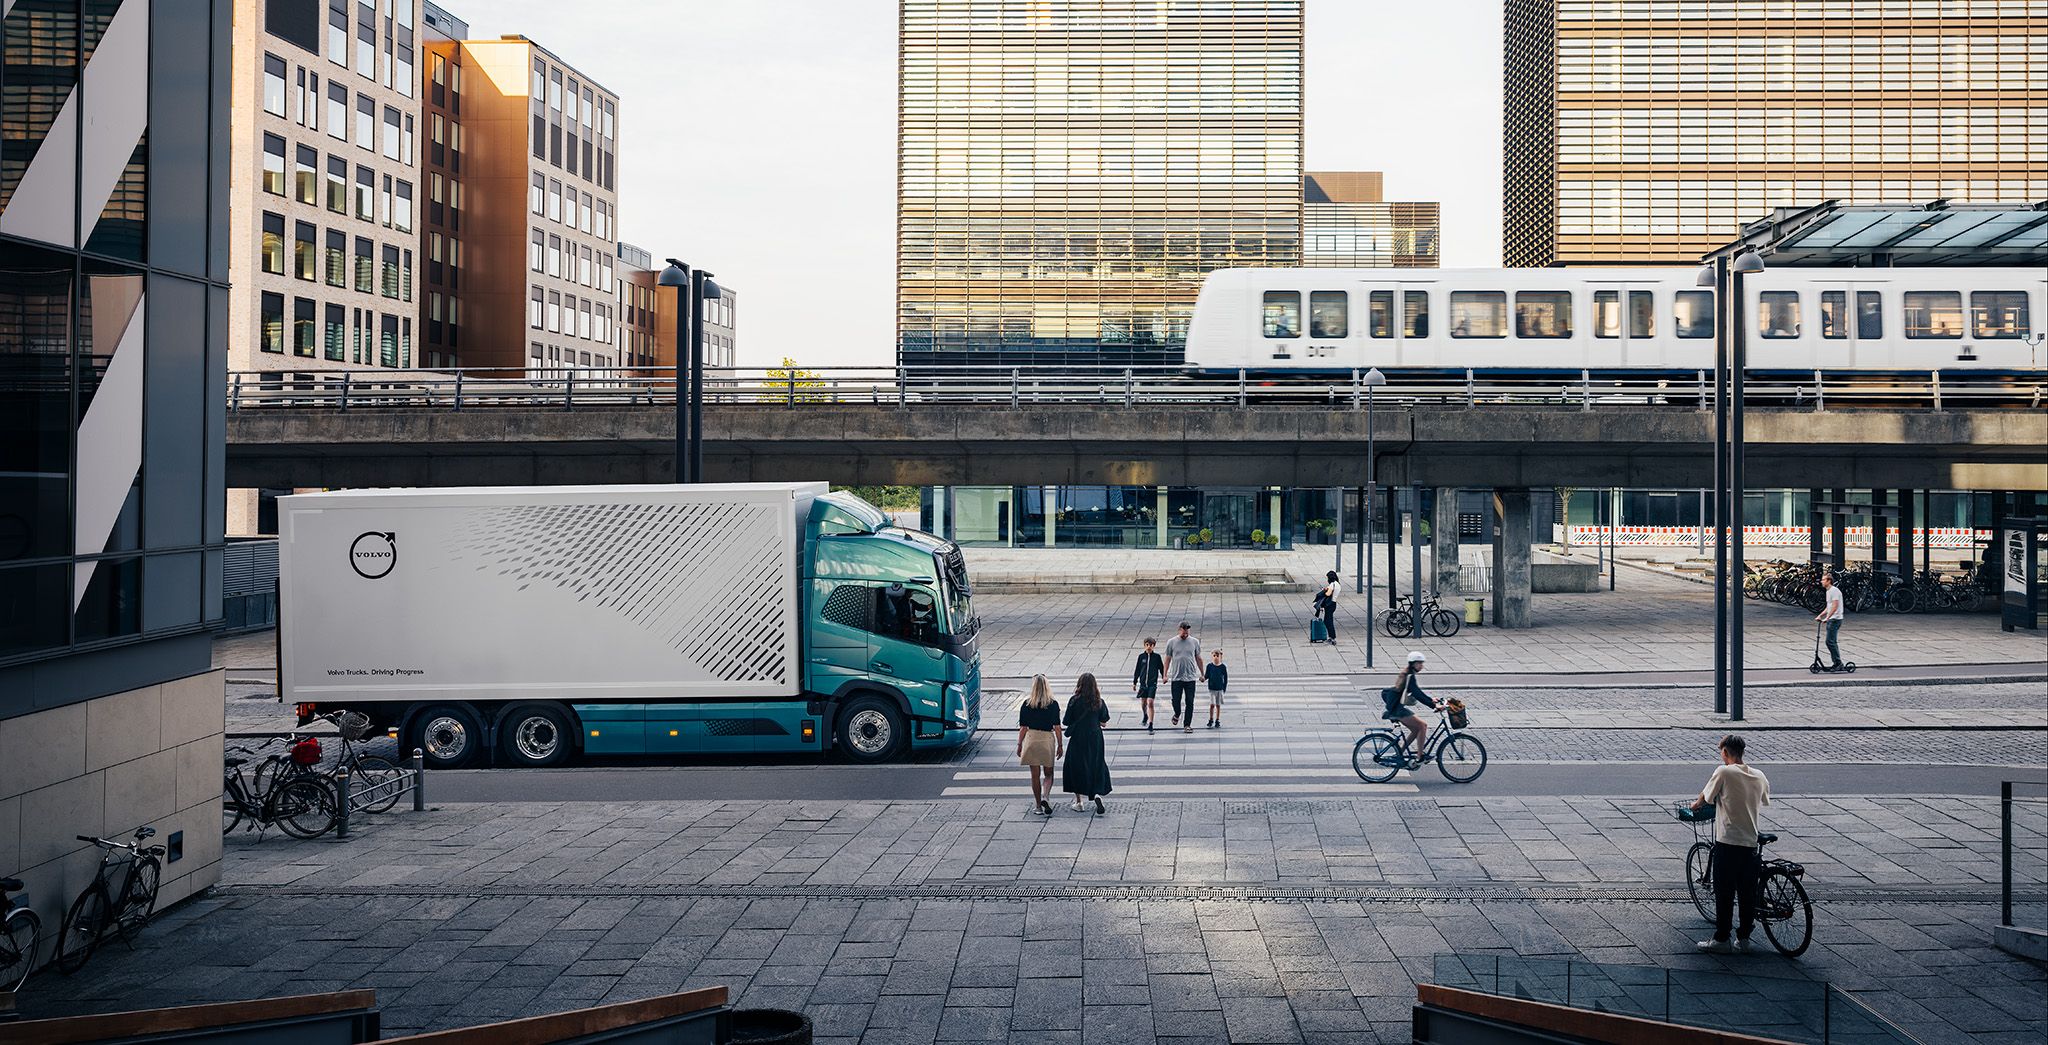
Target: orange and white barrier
<point>1954,538</point>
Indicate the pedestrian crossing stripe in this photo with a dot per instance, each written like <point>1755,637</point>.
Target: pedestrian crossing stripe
<point>1195,771</point>
<point>1220,789</point>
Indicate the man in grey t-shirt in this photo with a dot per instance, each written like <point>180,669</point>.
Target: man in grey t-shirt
<point>1183,670</point>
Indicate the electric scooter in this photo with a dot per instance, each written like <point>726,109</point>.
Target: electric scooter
<point>1819,667</point>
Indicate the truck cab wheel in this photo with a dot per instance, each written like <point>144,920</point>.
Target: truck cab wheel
<point>449,734</point>
<point>872,730</point>
<point>535,735</point>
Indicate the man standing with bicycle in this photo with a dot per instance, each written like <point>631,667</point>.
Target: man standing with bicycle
<point>1832,612</point>
<point>1738,792</point>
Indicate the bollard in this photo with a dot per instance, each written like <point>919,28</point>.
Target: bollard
<point>341,804</point>
<point>419,781</point>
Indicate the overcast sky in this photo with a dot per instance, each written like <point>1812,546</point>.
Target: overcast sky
<point>757,139</point>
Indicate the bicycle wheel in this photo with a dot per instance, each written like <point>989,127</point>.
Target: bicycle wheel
<point>1787,913</point>
<point>1376,758</point>
<point>372,771</point>
<point>303,808</point>
<point>1397,623</point>
<point>1699,878</point>
<point>142,886</point>
<point>80,933</point>
<point>1901,599</point>
<point>1461,758</point>
<point>19,935</point>
<point>230,811</point>
<point>1444,624</point>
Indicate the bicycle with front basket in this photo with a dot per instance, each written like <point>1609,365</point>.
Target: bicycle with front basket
<point>1784,909</point>
<point>1379,754</point>
<point>120,898</point>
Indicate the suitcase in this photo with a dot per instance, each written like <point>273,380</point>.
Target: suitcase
<point>1316,631</point>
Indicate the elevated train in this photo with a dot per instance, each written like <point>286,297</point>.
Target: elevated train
<point>1967,322</point>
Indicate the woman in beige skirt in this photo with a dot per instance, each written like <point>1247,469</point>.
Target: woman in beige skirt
<point>1039,741</point>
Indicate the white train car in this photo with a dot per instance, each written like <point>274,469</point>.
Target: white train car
<point>1878,320</point>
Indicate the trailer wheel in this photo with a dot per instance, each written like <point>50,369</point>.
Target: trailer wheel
<point>871,730</point>
<point>448,734</point>
<point>536,735</point>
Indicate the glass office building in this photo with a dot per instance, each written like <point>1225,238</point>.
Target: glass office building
<point>1647,132</point>
<point>1346,224</point>
<point>114,323</point>
<point>1069,169</point>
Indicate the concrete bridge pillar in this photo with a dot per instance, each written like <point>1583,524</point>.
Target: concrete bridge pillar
<point>1445,531</point>
<point>1512,536</point>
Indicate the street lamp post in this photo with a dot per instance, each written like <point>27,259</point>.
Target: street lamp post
<point>1373,379</point>
<point>1738,340</point>
<point>693,288</point>
<point>1730,359</point>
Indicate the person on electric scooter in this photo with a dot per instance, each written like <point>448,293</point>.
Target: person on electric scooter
<point>1832,613</point>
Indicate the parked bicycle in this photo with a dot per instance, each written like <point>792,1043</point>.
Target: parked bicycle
<point>302,806</point>
<point>1379,754</point>
<point>21,931</point>
<point>1864,588</point>
<point>1784,910</point>
<point>1398,620</point>
<point>373,778</point>
<point>119,900</point>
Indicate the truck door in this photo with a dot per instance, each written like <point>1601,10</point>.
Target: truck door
<point>904,647</point>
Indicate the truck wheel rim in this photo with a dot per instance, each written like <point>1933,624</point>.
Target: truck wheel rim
<point>869,731</point>
<point>446,737</point>
<point>537,738</point>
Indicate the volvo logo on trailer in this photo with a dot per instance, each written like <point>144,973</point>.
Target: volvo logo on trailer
<point>373,554</point>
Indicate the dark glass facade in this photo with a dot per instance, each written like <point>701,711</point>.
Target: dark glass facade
<point>1069,170</point>
<point>113,305</point>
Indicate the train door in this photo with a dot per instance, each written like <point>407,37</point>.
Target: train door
<point>1851,324</point>
<point>1397,323</point>
<point>1624,324</point>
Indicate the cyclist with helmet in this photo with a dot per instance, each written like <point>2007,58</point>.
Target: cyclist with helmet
<point>1401,699</point>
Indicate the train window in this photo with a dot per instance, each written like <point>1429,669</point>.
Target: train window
<point>1282,313</point>
<point>1934,313</point>
<point>1415,313</point>
<point>1999,313</point>
<point>1869,315</point>
<point>1479,313</point>
<point>1692,313</point>
<point>1543,313</point>
<point>1380,313</point>
<point>1834,309</point>
<point>1329,313</point>
<point>1642,313</point>
<point>1777,313</point>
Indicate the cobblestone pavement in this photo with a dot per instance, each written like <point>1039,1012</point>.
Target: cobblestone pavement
<point>964,921</point>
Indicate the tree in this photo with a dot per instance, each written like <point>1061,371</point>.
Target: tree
<point>1564,500</point>
<point>888,498</point>
<point>790,382</point>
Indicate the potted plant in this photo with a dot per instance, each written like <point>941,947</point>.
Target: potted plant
<point>1273,541</point>
<point>1259,539</point>
<point>1320,529</point>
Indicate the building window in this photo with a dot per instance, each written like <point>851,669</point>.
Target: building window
<point>337,110</point>
<point>555,256</point>
<point>390,272</point>
<point>1479,313</point>
<point>401,208</point>
<point>554,312</point>
<point>336,334</point>
<point>1543,313</point>
<point>540,137</point>
<point>554,200</point>
<point>272,249</point>
<point>555,89</point>
<point>306,251</point>
<point>387,341</point>
<point>391,134</point>
<point>535,308</point>
<point>366,123</point>
<point>405,276</point>
<point>536,250</point>
<point>1692,313</point>
<point>1999,314</point>
<point>366,44</point>
<point>583,267</point>
<point>337,258</point>
<point>303,332</point>
<point>1777,313</point>
<point>366,266</point>
<point>1642,312</point>
<point>366,194</point>
<point>270,328</point>
<point>306,174</point>
<point>1329,313</point>
<point>536,194</point>
<point>273,165</point>
<point>337,32</point>
<point>1280,315</point>
<point>273,85</point>
<point>337,185</point>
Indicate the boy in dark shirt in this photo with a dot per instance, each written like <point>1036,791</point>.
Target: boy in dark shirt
<point>1145,680</point>
<point>1218,678</point>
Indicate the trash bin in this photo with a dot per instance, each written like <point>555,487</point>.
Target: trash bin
<point>1475,611</point>
<point>770,1027</point>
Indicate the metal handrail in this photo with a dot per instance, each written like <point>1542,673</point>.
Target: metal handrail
<point>909,388</point>
<point>2005,801</point>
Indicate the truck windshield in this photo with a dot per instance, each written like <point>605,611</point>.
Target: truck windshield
<point>959,610</point>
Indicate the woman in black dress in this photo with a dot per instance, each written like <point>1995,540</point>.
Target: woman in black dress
<point>1087,769</point>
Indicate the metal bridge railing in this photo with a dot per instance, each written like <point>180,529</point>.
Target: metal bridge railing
<point>912,388</point>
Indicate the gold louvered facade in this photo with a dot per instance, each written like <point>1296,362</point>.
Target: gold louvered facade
<point>1647,132</point>
<point>1069,169</point>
